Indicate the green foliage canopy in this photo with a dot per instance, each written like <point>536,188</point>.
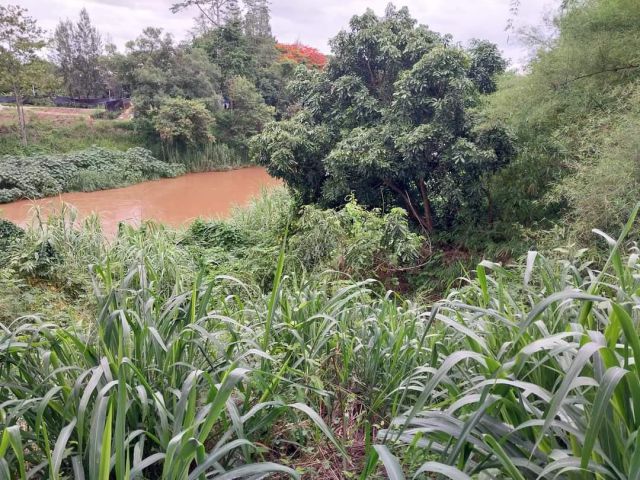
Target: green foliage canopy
<point>391,119</point>
<point>247,115</point>
<point>575,114</point>
<point>154,68</point>
<point>77,49</point>
<point>183,121</point>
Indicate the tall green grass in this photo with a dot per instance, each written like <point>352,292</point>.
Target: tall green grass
<point>534,375</point>
<point>208,158</point>
<point>61,136</point>
<point>310,349</point>
<point>527,371</point>
<point>157,386</point>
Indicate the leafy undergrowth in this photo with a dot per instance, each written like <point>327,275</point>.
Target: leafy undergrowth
<point>534,374</point>
<point>92,169</point>
<point>176,370</point>
<point>219,374</point>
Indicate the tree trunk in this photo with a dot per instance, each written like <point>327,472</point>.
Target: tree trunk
<point>426,203</point>
<point>21,121</point>
<point>425,222</point>
<point>490,207</point>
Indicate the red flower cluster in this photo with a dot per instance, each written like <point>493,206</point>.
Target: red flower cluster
<point>298,53</point>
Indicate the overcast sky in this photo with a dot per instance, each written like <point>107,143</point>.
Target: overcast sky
<point>311,22</point>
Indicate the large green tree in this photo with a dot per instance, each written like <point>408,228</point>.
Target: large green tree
<point>77,49</point>
<point>20,41</point>
<point>154,68</point>
<point>247,114</point>
<point>228,47</point>
<point>391,120</point>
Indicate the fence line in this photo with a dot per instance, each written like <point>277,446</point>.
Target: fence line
<point>111,104</point>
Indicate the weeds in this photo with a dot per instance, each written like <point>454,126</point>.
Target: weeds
<point>534,375</point>
<point>66,134</point>
<point>527,371</point>
<point>209,158</point>
<point>87,170</point>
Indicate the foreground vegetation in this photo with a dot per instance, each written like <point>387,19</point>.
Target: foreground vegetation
<point>165,368</point>
<point>320,333</point>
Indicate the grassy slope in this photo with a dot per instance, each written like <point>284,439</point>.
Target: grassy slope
<point>62,133</point>
<point>576,117</point>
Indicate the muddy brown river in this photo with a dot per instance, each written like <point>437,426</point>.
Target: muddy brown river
<point>174,201</point>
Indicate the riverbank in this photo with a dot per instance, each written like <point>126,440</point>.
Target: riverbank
<point>95,168</point>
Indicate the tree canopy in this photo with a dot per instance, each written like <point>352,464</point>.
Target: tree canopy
<point>391,119</point>
<point>155,67</point>
<point>20,42</point>
<point>183,121</point>
<point>77,49</point>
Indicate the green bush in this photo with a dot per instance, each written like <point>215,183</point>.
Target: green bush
<point>575,114</point>
<point>9,233</point>
<point>87,170</point>
<point>183,122</point>
<point>105,114</point>
<point>605,177</point>
<point>355,240</point>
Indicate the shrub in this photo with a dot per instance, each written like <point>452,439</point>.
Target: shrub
<point>576,117</point>
<point>105,114</point>
<point>606,175</point>
<point>183,122</point>
<point>216,234</point>
<point>355,240</point>
<point>9,233</point>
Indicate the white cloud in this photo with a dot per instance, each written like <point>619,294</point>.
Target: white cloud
<point>310,21</point>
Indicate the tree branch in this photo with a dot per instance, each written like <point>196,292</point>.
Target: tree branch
<point>593,74</point>
<point>426,204</point>
<point>407,200</point>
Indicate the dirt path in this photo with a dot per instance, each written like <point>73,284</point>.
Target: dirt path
<point>56,114</point>
<point>60,111</point>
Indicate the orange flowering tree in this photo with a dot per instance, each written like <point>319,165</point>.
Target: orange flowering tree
<point>302,54</point>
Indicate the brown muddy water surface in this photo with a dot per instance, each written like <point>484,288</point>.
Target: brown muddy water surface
<point>174,201</point>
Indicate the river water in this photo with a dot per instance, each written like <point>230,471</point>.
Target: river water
<point>174,201</point>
